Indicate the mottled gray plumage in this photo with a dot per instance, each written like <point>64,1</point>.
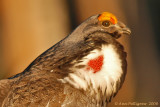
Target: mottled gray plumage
<point>38,84</point>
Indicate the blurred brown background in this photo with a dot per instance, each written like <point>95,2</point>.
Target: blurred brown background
<point>29,27</point>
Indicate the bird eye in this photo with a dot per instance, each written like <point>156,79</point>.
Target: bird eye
<point>106,23</point>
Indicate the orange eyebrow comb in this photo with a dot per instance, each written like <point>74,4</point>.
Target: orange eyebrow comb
<point>107,16</point>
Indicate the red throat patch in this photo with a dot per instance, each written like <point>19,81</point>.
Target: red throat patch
<point>96,64</point>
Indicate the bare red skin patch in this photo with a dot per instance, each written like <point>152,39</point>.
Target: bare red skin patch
<point>96,64</point>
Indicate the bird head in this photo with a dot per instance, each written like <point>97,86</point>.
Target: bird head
<point>109,23</point>
<point>105,22</point>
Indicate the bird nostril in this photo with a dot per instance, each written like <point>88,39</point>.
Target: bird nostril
<point>122,26</point>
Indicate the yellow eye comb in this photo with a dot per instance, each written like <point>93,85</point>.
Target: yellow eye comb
<point>107,16</point>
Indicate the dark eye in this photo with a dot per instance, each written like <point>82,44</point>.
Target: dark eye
<point>106,23</point>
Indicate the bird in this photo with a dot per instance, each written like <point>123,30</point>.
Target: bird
<point>85,69</point>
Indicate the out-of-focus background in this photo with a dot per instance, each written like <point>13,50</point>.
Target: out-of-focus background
<point>29,27</point>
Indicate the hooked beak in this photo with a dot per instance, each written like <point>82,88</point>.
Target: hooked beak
<point>123,28</point>
<point>126,31</point>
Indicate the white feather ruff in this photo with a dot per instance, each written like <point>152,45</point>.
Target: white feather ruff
<point>107,77</point>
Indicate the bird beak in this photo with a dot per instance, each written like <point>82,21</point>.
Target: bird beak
<point>123,28</point>
<point>126,31</point>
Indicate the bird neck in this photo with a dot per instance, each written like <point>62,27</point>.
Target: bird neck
<point>98,73</point>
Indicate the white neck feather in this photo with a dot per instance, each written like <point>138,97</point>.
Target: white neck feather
<point>105,79</point>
